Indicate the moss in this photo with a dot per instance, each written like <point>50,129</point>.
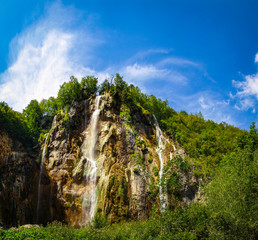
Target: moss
<point>155,171</point>
<point>136,171</point>
<point>150,160</point>
<point>125,114</point>
<point>138,158</point>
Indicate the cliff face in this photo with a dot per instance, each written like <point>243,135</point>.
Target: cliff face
<point>105,158</point>
<point>18,188</point>
<point>102,158</point>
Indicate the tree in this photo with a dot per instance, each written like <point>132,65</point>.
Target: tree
<point>119,82</point>
<point>33,115</point>
<point>69,92</point>
<point>104,87</point>
<point>232,195</point>
<point>89,85</point>
<point>49,107</point>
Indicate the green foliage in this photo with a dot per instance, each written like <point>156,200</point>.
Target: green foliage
<point>232,196</point>
<point>205,141</point>
<point>104,87</point>
<point>125,113</point>
<point>33,116</point>
<point>100,221</point>
<point>14,124</point>
<point>69,92</point>
<point>119,82</point>
<point>89,86</point>
<point>49,107</point>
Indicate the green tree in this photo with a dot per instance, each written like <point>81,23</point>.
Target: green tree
<point>49,107</point>
<point>232,197</point>
<point>104,87</point>
<point>119,82</point>
<point>33,115</point>
<point>14,124</point>
<point>69,92</point>
<point>89,85</point>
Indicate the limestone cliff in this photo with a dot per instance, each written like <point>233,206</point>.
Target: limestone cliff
<point>18,177</point>
<point>129,178</point>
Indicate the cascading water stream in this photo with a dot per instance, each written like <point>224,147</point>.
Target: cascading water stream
<point>162,141</point>
<point>40,176</point>
<point>90,197</point>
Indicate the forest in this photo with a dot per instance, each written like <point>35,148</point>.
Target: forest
<point>223,156</point>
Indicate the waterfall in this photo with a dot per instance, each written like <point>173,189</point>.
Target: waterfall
<point>40,176</point>
<point>162,141</point>
<point>89,202</point>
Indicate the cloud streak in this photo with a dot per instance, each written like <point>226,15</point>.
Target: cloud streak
<point>45,55</point>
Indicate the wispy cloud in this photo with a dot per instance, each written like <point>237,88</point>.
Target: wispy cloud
<point>141,55</point>
<point>44,55</point>
<point>177,61</point>
<point>159,65</point>
<point>144,72</point>
<point>211,104</point>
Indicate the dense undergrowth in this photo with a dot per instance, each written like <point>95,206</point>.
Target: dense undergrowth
<point>196,222</point>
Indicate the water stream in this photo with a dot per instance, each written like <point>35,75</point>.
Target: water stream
<point>162,141</point>
<point>90,197</point>
<point>40,176</point>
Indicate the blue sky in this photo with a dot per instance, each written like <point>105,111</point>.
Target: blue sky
<point>200,55</point>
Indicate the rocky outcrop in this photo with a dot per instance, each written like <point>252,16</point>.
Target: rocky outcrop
<point>127,181</point>
<point>18,177</point>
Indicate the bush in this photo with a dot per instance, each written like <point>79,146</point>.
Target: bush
<point>100,221</point>
<point>136,171</point>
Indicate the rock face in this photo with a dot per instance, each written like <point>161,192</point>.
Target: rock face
<point>127,175</point>
<point>18,177</point>
<point>102,158</point>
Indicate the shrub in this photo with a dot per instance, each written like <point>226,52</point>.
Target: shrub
<point>136,171</point>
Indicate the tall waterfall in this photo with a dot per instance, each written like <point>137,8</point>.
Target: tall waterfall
<point>90,196</point>
<point>162,141</point>
<point>40,176</point>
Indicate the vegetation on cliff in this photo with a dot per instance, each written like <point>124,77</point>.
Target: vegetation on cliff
<point>223,156</point>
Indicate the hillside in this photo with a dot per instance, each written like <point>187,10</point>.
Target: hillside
<point>122,155</point>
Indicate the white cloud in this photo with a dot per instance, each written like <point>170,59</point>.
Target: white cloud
<point>45,55</point>
<point>247,92</point>
<point>210,104</point>
<point>144,72</point>
<point>244,104</point>
<point>256,58</point>
<point>204,103</point>
<point>248,87</point>
<point>138,73</point>
<point>38,71</point>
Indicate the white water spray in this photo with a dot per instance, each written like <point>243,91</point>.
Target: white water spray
<point>90,197</point>
<point>162,141</point>
<point>40,176</point>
